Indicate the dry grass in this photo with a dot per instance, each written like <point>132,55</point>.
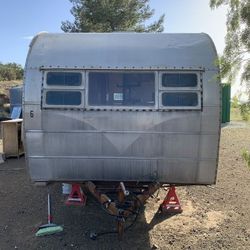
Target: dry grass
<point>6,85</point>
<point>236,116</point>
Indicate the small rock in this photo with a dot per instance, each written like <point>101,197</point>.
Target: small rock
<point>171,242</point>
<point>155,246</point>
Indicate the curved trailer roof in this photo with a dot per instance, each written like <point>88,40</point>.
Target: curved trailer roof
<point>122,51</point>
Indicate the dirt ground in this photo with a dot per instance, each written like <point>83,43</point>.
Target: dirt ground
<point>216,217</point>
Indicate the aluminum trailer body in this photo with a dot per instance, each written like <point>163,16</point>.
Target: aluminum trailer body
<point>122,107</point>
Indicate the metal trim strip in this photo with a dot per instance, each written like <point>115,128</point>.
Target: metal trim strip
<point>120,157</point>
<point>119,132</point>
<point>96,67</point>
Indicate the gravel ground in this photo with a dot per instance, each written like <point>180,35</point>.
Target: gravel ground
<point>214,217</point>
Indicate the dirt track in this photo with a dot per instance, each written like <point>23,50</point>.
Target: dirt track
<point>215,217</point>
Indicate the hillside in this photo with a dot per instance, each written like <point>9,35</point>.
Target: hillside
<point>6,85</point>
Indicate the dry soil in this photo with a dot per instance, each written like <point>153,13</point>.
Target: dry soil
<point>215,217</point>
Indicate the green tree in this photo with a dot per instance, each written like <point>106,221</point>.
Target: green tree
<point>10,71</point>
<point>111,16</point>
<point>237,49</point>
<point>17,68</point>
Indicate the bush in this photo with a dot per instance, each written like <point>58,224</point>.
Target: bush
<point>235,102</point>
<point>246,157</point>
<point>10,71</point>
<point>245,111</point>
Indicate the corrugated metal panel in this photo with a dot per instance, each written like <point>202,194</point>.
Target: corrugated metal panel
<point>226,95</point>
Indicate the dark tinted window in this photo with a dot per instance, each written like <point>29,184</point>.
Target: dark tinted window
<point>179,80</point>
<point>121,89</point>
<point>180,99</point>
<point>64,78</point>
<point>63,97</point>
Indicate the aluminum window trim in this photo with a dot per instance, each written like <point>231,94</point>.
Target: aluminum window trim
<point>45,105</point>
<point>68,87</point>
<point>197,107</point>
<point>115,107</point>
<point>199,80</point>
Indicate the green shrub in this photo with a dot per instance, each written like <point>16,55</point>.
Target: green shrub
<point>245,111</point>
<point>10,71</point>
<point>246,157</point>
<point>235,102</point>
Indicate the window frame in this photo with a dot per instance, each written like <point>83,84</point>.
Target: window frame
<point>119,107</point>
<point>159,89</point>
<point>46,86</point>
<point>80,88</point>
<point>196,89</point>
<point>45,105</point>
<point>198,107</point>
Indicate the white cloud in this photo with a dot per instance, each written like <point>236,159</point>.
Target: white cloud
<point>27,37</point>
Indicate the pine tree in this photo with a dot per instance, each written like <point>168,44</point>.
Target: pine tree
<point>112,16</point>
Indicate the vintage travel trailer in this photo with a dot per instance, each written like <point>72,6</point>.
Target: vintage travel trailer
<point>122,107</point>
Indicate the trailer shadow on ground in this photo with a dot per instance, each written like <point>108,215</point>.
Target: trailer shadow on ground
<point>23,210</point>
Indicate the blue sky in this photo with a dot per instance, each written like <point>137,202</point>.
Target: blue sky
<point>22,19</point>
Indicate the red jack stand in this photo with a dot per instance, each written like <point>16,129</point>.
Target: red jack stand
<point>76,197</point>
<point>171,204</point>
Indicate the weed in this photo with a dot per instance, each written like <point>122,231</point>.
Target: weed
<point>245,111</point>
<point>246,156</point>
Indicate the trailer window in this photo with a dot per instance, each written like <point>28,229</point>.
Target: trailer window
<point>64,78</point>
<point>63,98</point>
<point>121,89</point>
<point>173,99</point>
<point>179,80</point>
